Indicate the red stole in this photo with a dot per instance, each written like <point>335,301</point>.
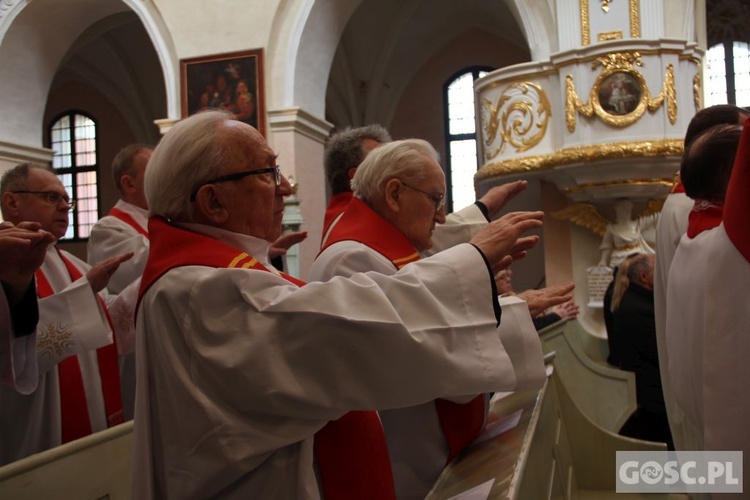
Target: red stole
<point>74,411</point>
<point>128,219</point>
<point>704,216</point>
<point>352,459</point>
<point>339,202</point>
<point>461,423</point>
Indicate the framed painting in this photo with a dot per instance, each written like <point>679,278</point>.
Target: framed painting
<point>231,82</point>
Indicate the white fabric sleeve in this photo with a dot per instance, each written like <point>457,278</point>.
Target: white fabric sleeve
<point>70,322</point>
<point>110,237</point>
<point>459,227</point>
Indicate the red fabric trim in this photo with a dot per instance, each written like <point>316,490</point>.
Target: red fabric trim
<point>339,203</point>
<point>702,217</point>
<point>172,247</point>
<point>362,224</point>
<point>74,412</point>
<point>461,423</point>
<point>352,458</point>
<point>128,219</point>
<point>737,203</point>
<point>677,187</point>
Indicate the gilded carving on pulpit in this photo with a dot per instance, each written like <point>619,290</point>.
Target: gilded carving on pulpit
<point>620,95</point>
<point>519,117</point>
<point>621,237</point>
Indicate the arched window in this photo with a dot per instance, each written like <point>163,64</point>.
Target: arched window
<point>728,74</point>
<point>76,163</point>
<point>461,136</point>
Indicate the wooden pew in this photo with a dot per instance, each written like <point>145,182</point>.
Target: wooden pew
<point>554,451</point>
<point>604,393</point>
<point>91,468</point>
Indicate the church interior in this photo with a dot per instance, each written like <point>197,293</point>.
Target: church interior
<point>587,100</point>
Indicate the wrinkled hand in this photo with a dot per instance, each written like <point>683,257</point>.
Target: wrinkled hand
<point>566,311</point>
<point>499,196</point>
<point>23,248</point>
<point>100,274</point>
<point>540,300</point>
<point>285,242</point>
<point>501,240</point>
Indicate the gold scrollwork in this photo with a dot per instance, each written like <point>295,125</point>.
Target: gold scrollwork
<point>581,154</point>
<point>620,95</point>
<point>520,115</point>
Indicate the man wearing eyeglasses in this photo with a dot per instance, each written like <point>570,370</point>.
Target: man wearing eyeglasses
<point>79,386</point>
<point>399,195</point>
<point>345,151</point>
<point>239,366</point>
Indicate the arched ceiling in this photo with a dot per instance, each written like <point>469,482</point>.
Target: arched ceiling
<point>386,41</point>
<point>115,55</point>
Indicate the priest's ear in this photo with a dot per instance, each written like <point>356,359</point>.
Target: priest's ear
<point>393,192</point>
<point>209,206</point>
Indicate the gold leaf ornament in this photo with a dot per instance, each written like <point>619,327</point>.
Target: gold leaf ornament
<point>519,117</point>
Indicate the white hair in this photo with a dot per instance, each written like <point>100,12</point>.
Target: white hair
<point>398,159</point>
<point>188,154</point>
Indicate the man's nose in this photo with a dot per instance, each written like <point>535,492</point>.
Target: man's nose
<point>284,188</point>
<point>440,216</point>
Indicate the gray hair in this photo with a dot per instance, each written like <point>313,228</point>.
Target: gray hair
<point>398,159</point>
<point>638,264</point>
<point>124,161</point>
<point>188,154</point>
<point>17,178</point>
<point>344,151</point>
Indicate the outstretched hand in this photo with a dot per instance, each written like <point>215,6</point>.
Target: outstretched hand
<point>285,242</point>
<point>501,240</point>
<point>566,311</point>
<point>23,248</point>
<point>540,300</point>
<point>99,275</point>
<point>499,196</point>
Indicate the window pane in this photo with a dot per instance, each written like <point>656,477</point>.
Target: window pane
<point>73,138</point>
<point>87,207</point>
<point>716,86</point>
<point>463,167</point>
<point>741,53</point>
<point>461,105</point>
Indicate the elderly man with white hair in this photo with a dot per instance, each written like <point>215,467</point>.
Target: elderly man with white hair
<point>399,194</point>
<point>239,366</point>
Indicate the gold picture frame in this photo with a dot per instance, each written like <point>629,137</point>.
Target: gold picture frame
<point>618,96</point>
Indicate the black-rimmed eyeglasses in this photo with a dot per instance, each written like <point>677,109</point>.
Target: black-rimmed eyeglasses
<point>437,198</point>
<point>276,171</point>
<point>51,197</point>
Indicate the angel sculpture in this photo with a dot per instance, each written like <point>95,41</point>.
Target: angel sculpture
<point>620,238</point>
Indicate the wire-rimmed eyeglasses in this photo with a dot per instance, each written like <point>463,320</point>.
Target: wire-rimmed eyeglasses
<point>437,198</point>
<point>240,175</point>
<point>51,197</point>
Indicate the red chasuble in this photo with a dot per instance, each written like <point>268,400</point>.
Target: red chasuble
<point>339,203</point>
<point>74,411</point>
<point>350,453</point>
<point>461,423</point>
<point>127,219</point>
